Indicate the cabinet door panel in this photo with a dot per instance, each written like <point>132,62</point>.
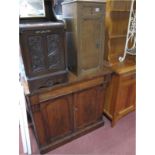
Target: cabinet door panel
<point>88,106</point>
<point>32,50</point>
<point>55,53</point>
<point>57,115</point>
<point>126,95</point>
<point>35,44</point>
<point>43,50</point>
<point>90,45</point>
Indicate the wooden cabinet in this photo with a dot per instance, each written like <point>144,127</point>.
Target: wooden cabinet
<point>43,52</point>
<point>85,35</point>
<point>64,113</point>
<point>121,93</point>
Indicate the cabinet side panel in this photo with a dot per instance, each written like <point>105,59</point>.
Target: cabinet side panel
<point>70,16</point>
<point>110,99</point>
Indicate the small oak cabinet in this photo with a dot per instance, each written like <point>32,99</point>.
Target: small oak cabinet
<point>85,35</point>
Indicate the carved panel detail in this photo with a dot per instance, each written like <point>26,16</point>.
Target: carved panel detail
<point>36,52</point>
<point>55,57</point>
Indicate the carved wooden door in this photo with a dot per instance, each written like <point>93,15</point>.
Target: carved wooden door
<point>57,116</point>
<point>32,46</point>
<point>43,51</point>
<point>55,52</point>
<point>88,106</point>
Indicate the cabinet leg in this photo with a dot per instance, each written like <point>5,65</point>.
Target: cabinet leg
<point>113,123</point>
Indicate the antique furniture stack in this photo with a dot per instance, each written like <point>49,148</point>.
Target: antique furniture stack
<point>65,104</point>
<point>67,86</point>
<point>65,112</point>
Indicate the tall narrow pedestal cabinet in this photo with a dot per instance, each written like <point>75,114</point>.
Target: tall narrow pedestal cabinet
<point>85,35</point>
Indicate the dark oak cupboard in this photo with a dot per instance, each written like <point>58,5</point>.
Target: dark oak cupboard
<point>64,113</point>
<point>43,49</point>
<point>43,54</point>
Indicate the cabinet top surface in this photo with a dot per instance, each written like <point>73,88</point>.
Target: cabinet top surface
<point>72,79</point>
<point>127,66</point>
<point>68,1</point>
<point>26,26</point>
